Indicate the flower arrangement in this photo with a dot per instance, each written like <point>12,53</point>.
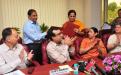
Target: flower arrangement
<point>112,63</point>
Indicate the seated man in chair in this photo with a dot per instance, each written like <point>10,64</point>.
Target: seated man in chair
<point>12,54</point>
<point>58,48</point>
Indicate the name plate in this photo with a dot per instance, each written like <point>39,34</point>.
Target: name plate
<point>64,71</point>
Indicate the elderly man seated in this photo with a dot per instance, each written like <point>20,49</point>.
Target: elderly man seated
<point>12,54</point>
<point>58,46</point>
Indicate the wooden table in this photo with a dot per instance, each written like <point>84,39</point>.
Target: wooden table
<point>44,69</point>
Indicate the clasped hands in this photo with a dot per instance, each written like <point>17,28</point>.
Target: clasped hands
<point>69,40</point>
<point>95,43</point>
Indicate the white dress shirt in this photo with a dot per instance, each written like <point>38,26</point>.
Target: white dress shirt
<point>9,58</point>
<point>58,53</point>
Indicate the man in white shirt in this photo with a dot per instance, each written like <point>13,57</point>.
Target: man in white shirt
<point>58,48</point>
<point>12,54</point>
<point>114,41</point>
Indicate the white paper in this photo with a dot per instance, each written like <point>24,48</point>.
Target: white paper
<point>17,72</point>
<point>66,66</point>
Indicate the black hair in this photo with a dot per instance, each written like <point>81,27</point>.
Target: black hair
<point>119,10</point>
<point>117,20</point>
<point>94,29</point>
<point>71,11</point>
<point>30,11</point>
<point>6,32</point>
<point>50,33</point>
<point>118,23</point>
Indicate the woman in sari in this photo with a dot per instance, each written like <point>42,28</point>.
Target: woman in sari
<point>72,26</point>
<point>92,46</point>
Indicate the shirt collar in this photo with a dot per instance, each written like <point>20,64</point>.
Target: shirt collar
<point>55,44</point>
<point>32,22</point>
<point>7,48</point>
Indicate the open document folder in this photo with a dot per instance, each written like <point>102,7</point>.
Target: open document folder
<point>17,72</point>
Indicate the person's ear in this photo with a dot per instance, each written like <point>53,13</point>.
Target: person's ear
<point>29,17</point>
<point>53,38</point>
<point>96,34</point>
<point>8,38</point>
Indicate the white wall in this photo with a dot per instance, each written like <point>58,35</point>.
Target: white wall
<point>78,5</point>
<point>13,13</point>
<point>93,13</point>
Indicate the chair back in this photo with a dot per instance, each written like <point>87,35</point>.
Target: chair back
<point>45,59</point>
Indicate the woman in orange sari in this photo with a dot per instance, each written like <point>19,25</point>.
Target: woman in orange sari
<point>92,46</point>
<point>72,26</point>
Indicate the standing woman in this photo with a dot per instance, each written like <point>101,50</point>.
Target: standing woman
<point>72,25</point>
<point>92,46</point>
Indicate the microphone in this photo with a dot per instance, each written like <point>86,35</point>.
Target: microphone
<point>100,69</point>
<point>90,65</point>
<point>94,71</point>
